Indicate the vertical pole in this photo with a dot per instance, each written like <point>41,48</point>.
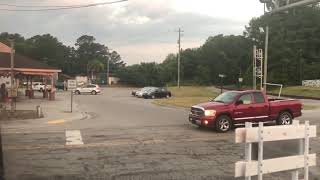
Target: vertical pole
<point>260,152</point>
<point>108,70</point>
<point>221,85</point>
<point>306,151</point>
<point>71,104</point>
<point>254,73</point>
<point>1,158</point>
<point>179,56</point>
<point>12,74</point>
<point>295,173</point>
<point>248,152</point>
<point>265,74</point>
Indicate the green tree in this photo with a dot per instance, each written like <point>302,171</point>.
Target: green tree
<point>94,67</point>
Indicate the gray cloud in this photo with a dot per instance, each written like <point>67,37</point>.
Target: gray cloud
<point>135,29</point>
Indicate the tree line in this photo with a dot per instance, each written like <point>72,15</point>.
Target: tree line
<point>87,57</point>
<point>294,54</point>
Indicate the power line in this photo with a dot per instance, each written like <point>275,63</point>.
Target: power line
<point>52,6</point>
<point>55,8</point>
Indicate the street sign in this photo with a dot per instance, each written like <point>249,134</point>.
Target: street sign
<point>72,85</point>
<point>222,75</point>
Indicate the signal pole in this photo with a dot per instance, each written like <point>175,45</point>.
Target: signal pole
<point>12,73</point>
<point>254,75</point>
<point>179,55</point>
<point>265,74</point>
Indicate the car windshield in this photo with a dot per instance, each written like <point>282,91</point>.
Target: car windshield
<point>145,89</point>
<point>226,97</point>
<point>151,90</point>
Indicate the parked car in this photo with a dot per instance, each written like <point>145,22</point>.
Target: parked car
<point>133,93</point>
<point>38,86</point>
<point>238,107</point>
<point>156,93</point>
<point>140,92</point>
<point>88,89</point>
<point>60,86</point>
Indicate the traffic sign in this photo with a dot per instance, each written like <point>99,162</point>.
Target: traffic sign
<point>72,84</point>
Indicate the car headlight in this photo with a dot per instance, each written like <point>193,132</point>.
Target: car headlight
<point>209,112</point>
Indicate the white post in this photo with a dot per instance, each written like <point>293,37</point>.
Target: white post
<point>306,151</point>
<point>260,152</point>
<point>248,146</point>
<point>265,74</point>
<point>280,91</point>
<point>295,174</point>
<point>254,70</point>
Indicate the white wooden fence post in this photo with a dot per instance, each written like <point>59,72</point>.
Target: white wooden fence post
<point>304,160</point>
<point>295,173</point>
<point>260,152</point>
<point>248,146</point>
<point>306,151</point>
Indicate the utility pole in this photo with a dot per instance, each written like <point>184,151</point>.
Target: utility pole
<point>179,55</point>
<point>12,74</point>
<point>265,74</point>
<point>254,70</point>
<point>108,70</point>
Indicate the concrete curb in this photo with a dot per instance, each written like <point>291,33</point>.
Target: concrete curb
<point>79,115</point>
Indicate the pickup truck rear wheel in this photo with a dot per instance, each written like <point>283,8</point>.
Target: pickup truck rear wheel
<point>285,118</point>
<point>223,124</point>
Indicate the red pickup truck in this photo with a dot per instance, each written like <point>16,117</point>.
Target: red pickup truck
<point>237,107</point>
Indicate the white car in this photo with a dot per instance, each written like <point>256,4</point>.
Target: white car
<point>38,86</point>
<point>142,91</point>
<point>88,89</point>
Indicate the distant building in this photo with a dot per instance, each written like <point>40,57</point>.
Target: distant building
<point>113,80</point>
<point>82,80</point>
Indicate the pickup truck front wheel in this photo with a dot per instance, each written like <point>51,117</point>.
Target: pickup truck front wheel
<point>285,118</point>
<point>223,124</point>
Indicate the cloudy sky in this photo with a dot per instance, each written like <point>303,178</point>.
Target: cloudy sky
<point>140,30</point>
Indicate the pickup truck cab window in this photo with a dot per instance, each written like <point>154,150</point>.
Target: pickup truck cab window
<point>246,99</point>
<point>226,97</point>
<point>258,98</point>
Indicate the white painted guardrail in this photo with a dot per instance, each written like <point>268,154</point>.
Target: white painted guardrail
<point>261,134</point>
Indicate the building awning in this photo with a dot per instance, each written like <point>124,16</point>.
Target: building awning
<point>4,48</point>
<point>23,65</point>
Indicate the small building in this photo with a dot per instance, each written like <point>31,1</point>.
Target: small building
<point>113,80</point>
<point>25,69</point>
<point>82,80</point>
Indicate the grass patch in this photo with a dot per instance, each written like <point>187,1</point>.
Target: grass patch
<point>299,91</point>
<point>310,107</point>
<point>187,96</point>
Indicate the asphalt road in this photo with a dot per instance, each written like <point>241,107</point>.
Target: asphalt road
<point>130,138</point>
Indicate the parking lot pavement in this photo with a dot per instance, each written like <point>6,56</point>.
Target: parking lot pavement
<point>128,138</point>
<point>55,112</point>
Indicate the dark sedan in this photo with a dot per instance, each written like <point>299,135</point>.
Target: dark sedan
<point>60,86</point>
<point>156,93</point>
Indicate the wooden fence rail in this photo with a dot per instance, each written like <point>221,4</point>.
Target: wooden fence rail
<point>261,134</point>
